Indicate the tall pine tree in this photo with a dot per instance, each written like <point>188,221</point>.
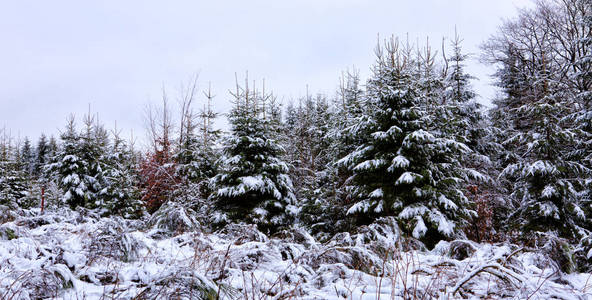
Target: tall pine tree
<point>403,169</point>
<point>253,183</point>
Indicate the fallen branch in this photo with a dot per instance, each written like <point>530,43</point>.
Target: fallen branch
<point>493,269</point>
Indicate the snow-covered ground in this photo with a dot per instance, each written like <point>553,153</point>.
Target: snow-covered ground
<point>76,255</point>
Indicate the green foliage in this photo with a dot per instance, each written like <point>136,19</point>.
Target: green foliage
<point>253,183</point>
<point>547,178</point>
<point>405,167</point>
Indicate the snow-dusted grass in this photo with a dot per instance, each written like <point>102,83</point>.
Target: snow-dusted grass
<point>75,255</point>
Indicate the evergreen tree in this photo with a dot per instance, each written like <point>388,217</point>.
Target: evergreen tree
<point>253,184</point>
<point>196,155</point>
<point>468,124</point>
<point>13,184</point>
<point>42,155</point>
<point>26,156</point>
<point>327,213</point>
<point>120,194</point>
<point>402,169</point>
<point>547,178</point>
<point>52,149</point>
<point>77,166</point>
<point>70,168</point>
<point>94,141</point>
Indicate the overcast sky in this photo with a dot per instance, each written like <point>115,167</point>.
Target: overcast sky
<point>57,56</point>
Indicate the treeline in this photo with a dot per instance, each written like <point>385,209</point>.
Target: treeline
<point>411,143</point>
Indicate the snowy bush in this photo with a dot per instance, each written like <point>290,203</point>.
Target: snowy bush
<point>113,257</point>
<point>173,218</point>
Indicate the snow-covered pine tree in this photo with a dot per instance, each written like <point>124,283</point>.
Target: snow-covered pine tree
<point>583,94</point>
<point>41,155</point>
<point>52,149</point>
<point>196,154</point>
<point>120,194</point>
<point>316,178</point>
<point>324,202</point>
<point>298,132</point>
<point>27,157</point>
<point>348,109</point>
<point>94,140</point>
<point>13,183</point>
<point>69,168</point>
<point>25,162</point>
<point>77,166</point>
<point>546,178</point>
<point>506,120</point>
<point>305,130</point>
<point>253,183</point>
<point>466,122</point>
<point>404,170</point>
<point>542,171</point>
<point>328,212</point>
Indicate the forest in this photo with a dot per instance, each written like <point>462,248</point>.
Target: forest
<point>398,186</point>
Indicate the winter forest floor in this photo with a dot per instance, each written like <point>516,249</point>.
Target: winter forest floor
<point>77,255</point>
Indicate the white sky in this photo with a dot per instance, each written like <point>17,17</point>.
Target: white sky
<point>58,56</point>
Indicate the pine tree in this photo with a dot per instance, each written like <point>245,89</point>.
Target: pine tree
<point>547,178</point>
<point>120,194</point>
<point>77,166</point>
<point>196,155</point>
<point>94,141</point>
<point>316,176</point>
<point>70,168</point>
<point>327,214</point>
<point>13,183</point>
<point>402,169</point>
<point>253,184</point>
<point>42,155</point>
<point>52,148</point>
<point>27,160</point>
<point>467,123</point>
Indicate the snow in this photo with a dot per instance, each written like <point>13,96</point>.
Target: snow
<point>548,209</point>
<point>448,204</point>
<point>407,177</point>
<point>420,228</point>
<point>419,136</point>
<point>369,164</point>
<point>548,192</point>
<point>400,162</point>
<point>377,193</point>
<point>445,226</point>
<point>80,257</point>
<point>541,167</point>
<point>361,206</point>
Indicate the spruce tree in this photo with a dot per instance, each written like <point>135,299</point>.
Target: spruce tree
<point>13,183</point>
<point>42,155</point>
<point>547,178</point>
<point>403,169</point>
<point>253,183</point>
<point>77,165</point>
<point>94,140</point>
<point>69,167</point>
<point>466,122</point>
<point>328,212</point>
<point>26,157</point>
<point>196,154</point>
<point>120,194</point>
